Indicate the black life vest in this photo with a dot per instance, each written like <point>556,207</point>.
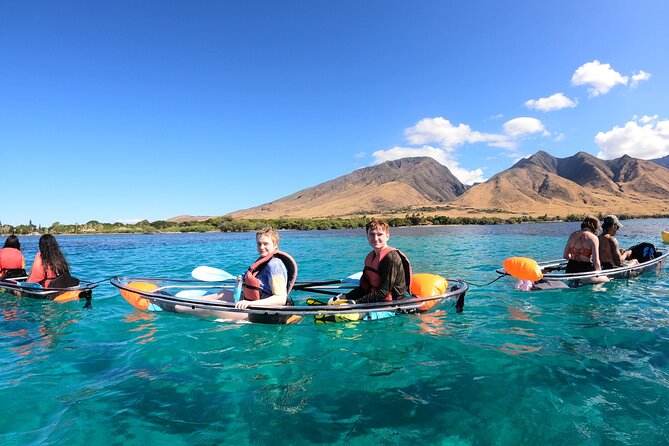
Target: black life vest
<point>371,279</point>
<point>252,287</point>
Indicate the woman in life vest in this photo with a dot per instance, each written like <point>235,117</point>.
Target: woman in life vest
<point>266,283</point>
<point>582,250</point>
<point>12,262</point>
<point>49,262</point>
<point>387,272</point>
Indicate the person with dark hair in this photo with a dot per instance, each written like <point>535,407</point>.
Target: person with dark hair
<point>582,249</point>
<point>611,255</point>
<point>12,262</point>
<point>387,273</point>
<point>50,265</point>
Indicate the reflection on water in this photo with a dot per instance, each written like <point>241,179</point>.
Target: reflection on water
<point>31,331</point>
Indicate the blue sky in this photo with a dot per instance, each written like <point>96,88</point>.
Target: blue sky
<point>127,110</point>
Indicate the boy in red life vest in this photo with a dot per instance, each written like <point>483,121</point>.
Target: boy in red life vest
<point>387,272</point>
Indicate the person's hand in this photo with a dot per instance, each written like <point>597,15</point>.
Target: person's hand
<point>333,300</point>
<point>243,304</point>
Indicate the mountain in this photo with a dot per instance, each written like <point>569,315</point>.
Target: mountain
<point>385,187</point>
<point>664,161</point>
<point>544,184</point>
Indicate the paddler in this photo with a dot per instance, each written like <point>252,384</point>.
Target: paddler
<point>386,275</point>
<point>266,283</point>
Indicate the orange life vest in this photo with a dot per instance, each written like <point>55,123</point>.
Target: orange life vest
<point>252,286</point>
<point>371,279</point>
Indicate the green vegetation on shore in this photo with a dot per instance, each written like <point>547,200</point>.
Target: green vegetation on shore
<point>227,224</point>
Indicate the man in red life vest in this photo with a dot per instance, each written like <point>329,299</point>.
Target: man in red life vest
<point>387,272</point>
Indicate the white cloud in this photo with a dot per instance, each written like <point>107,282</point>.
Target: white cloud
<point>360,155</point>
<point>439,139</point>
<point>441,131</point>
<point>441,155</point>
<point>639,77</point>
<point>599,77</point>
<point>645,119</point>
<point>557,101</point>
<point>645,138</point>
<point>519,127</point>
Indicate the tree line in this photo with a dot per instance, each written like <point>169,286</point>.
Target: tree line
<point>228,224</point>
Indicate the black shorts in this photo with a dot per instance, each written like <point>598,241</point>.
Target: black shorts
<point>574,266</point>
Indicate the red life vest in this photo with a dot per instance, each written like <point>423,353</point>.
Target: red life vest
<point>11,258</point>
<point>252,286</point>
<point>39,274</point>
<point>371,279</point>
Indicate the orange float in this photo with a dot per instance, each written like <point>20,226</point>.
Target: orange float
<point>523,268</point>
<point>67,296</point>
<point>428,285</point>
<point>136,299</point>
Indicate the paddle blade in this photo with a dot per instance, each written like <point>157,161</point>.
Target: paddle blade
<point>209,274</point>
<point>523,268</point>
<point>30,285</point>
<point>353,278</point>
<point>191,293</point>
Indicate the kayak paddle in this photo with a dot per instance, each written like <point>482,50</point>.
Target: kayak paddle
<point>210,274</point>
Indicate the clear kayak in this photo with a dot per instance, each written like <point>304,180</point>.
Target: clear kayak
<point>33,290</point>
<point>554,275</point>
<point>192,296</point>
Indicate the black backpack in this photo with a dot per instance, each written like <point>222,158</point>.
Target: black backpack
<point>643,252</point>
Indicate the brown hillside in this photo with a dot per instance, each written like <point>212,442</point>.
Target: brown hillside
<point>543,184</point>
<point>395,184</point>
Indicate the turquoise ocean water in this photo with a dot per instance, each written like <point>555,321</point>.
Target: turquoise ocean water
<point>583,366</point>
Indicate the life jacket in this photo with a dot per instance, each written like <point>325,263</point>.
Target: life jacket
<point>371,279</point>
<point>46,282</point>
<point>252,287</point>
<point>11,263</point>
<point>40,274</point>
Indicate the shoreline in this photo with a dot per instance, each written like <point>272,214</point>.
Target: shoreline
<point>219,224</point>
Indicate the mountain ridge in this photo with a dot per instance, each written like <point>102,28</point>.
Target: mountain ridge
<point>541,184</point>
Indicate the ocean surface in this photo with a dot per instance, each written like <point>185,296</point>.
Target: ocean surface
<point>585,366</point>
